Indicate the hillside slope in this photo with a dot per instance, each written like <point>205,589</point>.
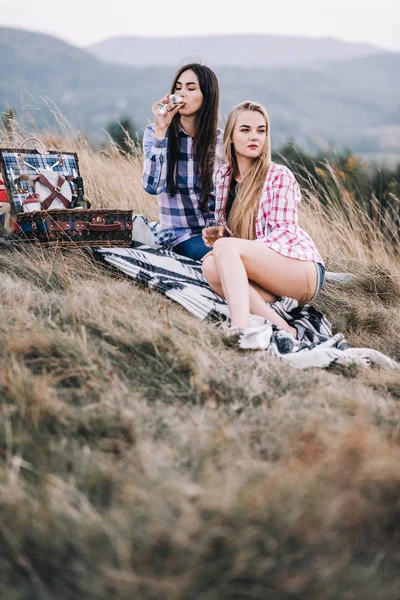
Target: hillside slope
<point>352,103</point>
<point>143,458</point>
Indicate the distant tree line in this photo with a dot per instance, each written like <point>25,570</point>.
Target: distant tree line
<point>124,135</point>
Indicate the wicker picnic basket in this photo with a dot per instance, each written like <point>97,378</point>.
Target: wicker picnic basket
<point>44,202</point>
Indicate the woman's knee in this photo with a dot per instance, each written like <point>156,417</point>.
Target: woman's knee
<point>209,270</point>
<point>223,245</point>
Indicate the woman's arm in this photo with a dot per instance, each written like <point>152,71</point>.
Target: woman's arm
<point>154,162</point>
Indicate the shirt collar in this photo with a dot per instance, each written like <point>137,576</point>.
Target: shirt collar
<point>182,132</point>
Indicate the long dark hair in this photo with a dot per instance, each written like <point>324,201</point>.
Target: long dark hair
<point>204,139</point>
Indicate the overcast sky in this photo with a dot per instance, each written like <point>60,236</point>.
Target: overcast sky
<point>83,22</point>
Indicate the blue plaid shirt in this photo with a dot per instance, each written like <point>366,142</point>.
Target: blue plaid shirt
<point>180,216</point>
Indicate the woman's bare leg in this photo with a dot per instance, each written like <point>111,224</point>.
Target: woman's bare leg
<point>237,261</point>
<point>265,295</point>
<point>258,297</point>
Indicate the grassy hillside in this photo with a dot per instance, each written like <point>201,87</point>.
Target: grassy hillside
<point>142,458</point>
<point>349,104</point>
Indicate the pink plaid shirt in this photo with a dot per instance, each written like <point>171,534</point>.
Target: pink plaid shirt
<point>276,222</point>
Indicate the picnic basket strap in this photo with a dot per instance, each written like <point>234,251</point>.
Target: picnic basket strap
<point>55,191</point>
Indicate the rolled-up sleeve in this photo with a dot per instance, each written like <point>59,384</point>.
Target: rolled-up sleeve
<point>154,162</point>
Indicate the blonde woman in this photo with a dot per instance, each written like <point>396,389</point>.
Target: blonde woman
<point>259,252</point>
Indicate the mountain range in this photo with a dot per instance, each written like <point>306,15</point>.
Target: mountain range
<point>343,101</point>
<point>229,50</point>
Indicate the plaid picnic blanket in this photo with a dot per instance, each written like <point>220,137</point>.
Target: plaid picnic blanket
<point>181,280</point>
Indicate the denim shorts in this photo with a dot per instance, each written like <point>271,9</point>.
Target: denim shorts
<point>320,278</point>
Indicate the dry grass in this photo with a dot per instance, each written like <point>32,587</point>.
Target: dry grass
<point>141,458</point>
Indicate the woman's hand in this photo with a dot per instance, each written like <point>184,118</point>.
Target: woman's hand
<point>163,121</point>
<point>212,234</point>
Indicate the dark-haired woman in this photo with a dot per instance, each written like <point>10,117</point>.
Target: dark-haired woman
<point>180,150</point>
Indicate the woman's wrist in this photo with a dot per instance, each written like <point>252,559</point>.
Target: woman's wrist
<point>160,132</point>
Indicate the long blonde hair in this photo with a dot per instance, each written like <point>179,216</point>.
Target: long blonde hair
<point>242,217</point>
